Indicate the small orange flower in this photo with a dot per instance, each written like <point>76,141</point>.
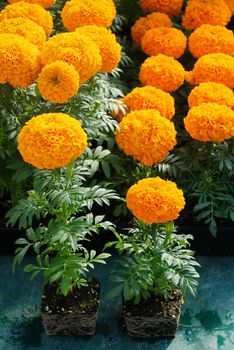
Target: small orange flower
<point>230,4</point>
<point>171,8</point>
<point>154,200</point>
<point>44,3</point>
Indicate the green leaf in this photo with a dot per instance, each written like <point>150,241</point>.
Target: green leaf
<point>65,286</point>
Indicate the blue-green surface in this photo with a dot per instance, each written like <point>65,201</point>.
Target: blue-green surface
<point>207,323</point>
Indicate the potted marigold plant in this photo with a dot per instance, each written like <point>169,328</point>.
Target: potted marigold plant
<point>61,204</point>
<point>157,268</point>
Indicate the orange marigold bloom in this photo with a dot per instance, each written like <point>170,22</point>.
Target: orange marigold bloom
<point>154,20</point>
<point>230,4</point>
<point>106,41</point>
<point>162,72</point>
<point>149,97</point>
<point>76,49</point>
<point>25,28</point>
<point>146,136</point>
<point>210,122</point>
<point>34,12</point>
<point>19,61</point>
<point>51,140</point>
<point>211,92</point>
<point>211,39</point>
<point>198,12</point>
<point>79,13</point>
<point>44,3</point>
<point>167,41</point>
<point>215,67</point>
<point>171,8</point>
<point>58,82</point>
<point>154,200</point>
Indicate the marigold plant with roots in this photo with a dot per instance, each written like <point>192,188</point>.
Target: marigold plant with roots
<point>216,67</point>
<point>110,50</point>
<point>146,136</point>
<point>154,200</point>
<point>153,20</point>
<point>79,13</point>
<point>167,41</point>
<point>58,82</point>
<point>211,92</point>
<point>44,3</point>
<point>211,39</point>
<point>162,72</point>
<point>210,122</point>
<point>171,8</point>
<point>51,140</point>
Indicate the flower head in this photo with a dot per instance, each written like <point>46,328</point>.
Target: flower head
<point>153,20</point>
<point>106,41</point>
<point>25,28</point>
<point>211,39</point>
<point>171,8</point>
<point>79,13</point>
<point>210,122</point>
<point>51,140</point>
<point>44,3</point>
<point>211,92</point>
<point>162,72</point>
<point>146,136</point>
<point>149,97</point>
<point>162,40</point>
<point>34,12</point>
<point>198,12</point>
<point>58,82</point>
<point>230,4</point>
<point>216,67</point>
<point>154,200</point>
<point>76,49</point>
<point>19,61</point>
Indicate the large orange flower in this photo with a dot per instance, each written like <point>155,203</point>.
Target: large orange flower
<point>44,3</point>
<point>172,8</point>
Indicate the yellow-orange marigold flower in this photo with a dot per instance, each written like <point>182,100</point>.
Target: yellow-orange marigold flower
<point>215,67</point>
<point>79,13</point>
<point>211,39</point>
<point>34,12</point>
<point>44,3</point>
<point>146,136</point>
<point>230,4</point>
<point>76,49</point>
<point>19,61</point>
<point>51,140</point>
<point>167,41</point>
<point>153,20</point>
<point>149,97</point>
<point>171,8</point>
<point>211,92</point>
<point>24,27</point>
<point>154,200</point>
<point>58,82</point>
<point>162,72</point>
<point>106,41</point>
<point>198,12</point>
<point>210,122</point>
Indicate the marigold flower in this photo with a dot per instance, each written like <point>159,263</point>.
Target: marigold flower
<point>171,8</point>
<point>34,12</point>
<point>51,140</point>
<point>211,39</point>
<point>76,49</point>
<point>215,67</point>
<point>44,3</point>
<point>210,122</point>
<point>211,92</point>
<point>149,97</point>
<point>25,28</point>
<point>230,4</point>
<point>198,12</point>
<point>153,20</point>
<point>162,72</point>
<point>146,136</point>
<point>79,13</point>
<point>106,41</point>
<point>58,82</point>
<point>19,61</point>
<point>154,200</point>
<point>167,41</point>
